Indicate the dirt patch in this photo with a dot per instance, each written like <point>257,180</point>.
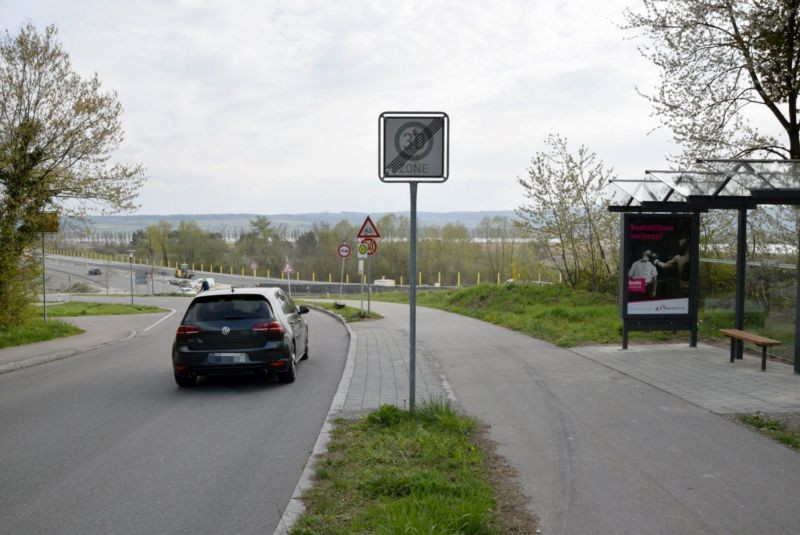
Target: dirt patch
<point>512,503</point>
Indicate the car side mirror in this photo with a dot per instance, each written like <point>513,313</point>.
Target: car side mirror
<point>303,309</point>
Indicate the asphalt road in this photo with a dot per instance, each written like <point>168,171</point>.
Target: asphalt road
<point>105,442</point>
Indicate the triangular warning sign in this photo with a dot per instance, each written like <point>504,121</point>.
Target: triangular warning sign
<point>368,229</point>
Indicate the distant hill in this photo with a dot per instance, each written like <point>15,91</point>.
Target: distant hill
<point>231,222</point>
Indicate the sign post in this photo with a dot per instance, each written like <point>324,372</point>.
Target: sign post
<point>413,148</point>
<point>344,252</point>
<point>363,253</point>
<point>45,223</point>
<point>288,270</point>
<point>368,234</point>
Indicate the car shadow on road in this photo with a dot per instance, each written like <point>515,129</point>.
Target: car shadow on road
<point>234,383</point>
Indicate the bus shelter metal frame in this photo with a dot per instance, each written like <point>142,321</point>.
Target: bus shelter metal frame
<point>739,185</point>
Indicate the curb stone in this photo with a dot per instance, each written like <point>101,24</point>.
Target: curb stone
<point>58,355</point>
<point>296,507</point>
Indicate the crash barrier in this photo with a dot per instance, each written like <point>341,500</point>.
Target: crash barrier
<point>545,275</point>
<point>744,336</point>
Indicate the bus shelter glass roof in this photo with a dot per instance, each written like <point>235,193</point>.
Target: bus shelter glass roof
<point>717,178</point>
<point>646,189</point>
<point>759,174</point>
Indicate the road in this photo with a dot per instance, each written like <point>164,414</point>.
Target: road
<point>116,278</point>
<point>105,442</point>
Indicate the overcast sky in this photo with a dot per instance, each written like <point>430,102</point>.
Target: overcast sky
<point>272,107</point>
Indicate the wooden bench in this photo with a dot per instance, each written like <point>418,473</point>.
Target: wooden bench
<point>761,341</point>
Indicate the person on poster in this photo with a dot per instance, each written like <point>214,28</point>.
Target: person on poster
<point>678,264</point>
<point>644,269</point>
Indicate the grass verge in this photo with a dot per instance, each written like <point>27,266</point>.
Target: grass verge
<point>350,314</point>
<point>36,330</point>
<point>401,472</point>
<point>85,308</point>
<point>772,428</point>
<point>558,314</point>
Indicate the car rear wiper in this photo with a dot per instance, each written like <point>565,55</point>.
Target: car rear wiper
<point>237,317</point>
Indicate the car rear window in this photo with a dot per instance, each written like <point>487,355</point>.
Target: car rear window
<point>229,307</point>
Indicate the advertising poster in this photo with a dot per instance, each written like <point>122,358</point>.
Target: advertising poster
<point>657,264</point>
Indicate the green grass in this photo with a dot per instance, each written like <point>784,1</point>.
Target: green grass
<point>772,428</point>
<point>85,308</point>
<point>36,330</point>
<point>401,472</point>
<point>563,316</point>
<point>550,312</point>
<point>350,314</point>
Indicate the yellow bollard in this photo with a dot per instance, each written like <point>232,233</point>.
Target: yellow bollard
<point>540,277</point>
<point>559,278</point>
<point>330,277</point>
<point>313,277</point>
<point>479,278</point>
<point>420,278</point>
<point>498,277</point>
<point>458,280</point>
<point>242,272</point>
<point>267,273</point>
<point>401,280</point>
<point>439,279</point>
<point>211,268</point>
<point>297,276</point>
<point>347,278</point>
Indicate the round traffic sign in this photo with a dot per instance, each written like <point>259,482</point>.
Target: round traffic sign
<point>363,250</point>
<point>412,136</point>
<point>371,244</point>
<point>253,265</point>
<point>344,250</point>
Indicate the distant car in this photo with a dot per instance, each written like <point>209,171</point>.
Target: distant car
<point>383,282</point>
<point>240,331</point>
<point>95,271</point>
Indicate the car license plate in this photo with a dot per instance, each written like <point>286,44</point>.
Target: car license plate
<point>227,358</point>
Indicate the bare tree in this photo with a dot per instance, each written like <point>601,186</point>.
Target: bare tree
<point>566,210</point>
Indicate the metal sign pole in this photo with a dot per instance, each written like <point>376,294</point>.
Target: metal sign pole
<point>44,283</point>
<point>341,281</point>
<point>412,303</point>
<point>369,285</point>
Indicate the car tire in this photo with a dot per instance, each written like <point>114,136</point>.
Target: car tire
<point>289,375</point>
<point>186,381</point>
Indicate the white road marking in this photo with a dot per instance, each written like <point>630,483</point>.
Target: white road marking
<point>162,319</point>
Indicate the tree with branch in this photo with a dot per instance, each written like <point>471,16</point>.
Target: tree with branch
<point>719,61</point>
<point>567,211</point>
<point>58,132</point>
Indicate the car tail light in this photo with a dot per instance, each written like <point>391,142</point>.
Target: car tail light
<point>268,327</point>
<point>186,330</point>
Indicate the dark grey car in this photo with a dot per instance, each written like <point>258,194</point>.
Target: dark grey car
<point>237,331</point>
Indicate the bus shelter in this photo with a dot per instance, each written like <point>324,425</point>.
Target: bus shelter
<point>677,196</point>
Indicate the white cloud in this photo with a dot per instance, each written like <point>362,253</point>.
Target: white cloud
<point>273,106</point>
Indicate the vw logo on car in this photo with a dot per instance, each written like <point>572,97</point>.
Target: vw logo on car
<point>226,330</point>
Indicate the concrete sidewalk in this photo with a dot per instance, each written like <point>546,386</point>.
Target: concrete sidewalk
<point>702,376</point>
